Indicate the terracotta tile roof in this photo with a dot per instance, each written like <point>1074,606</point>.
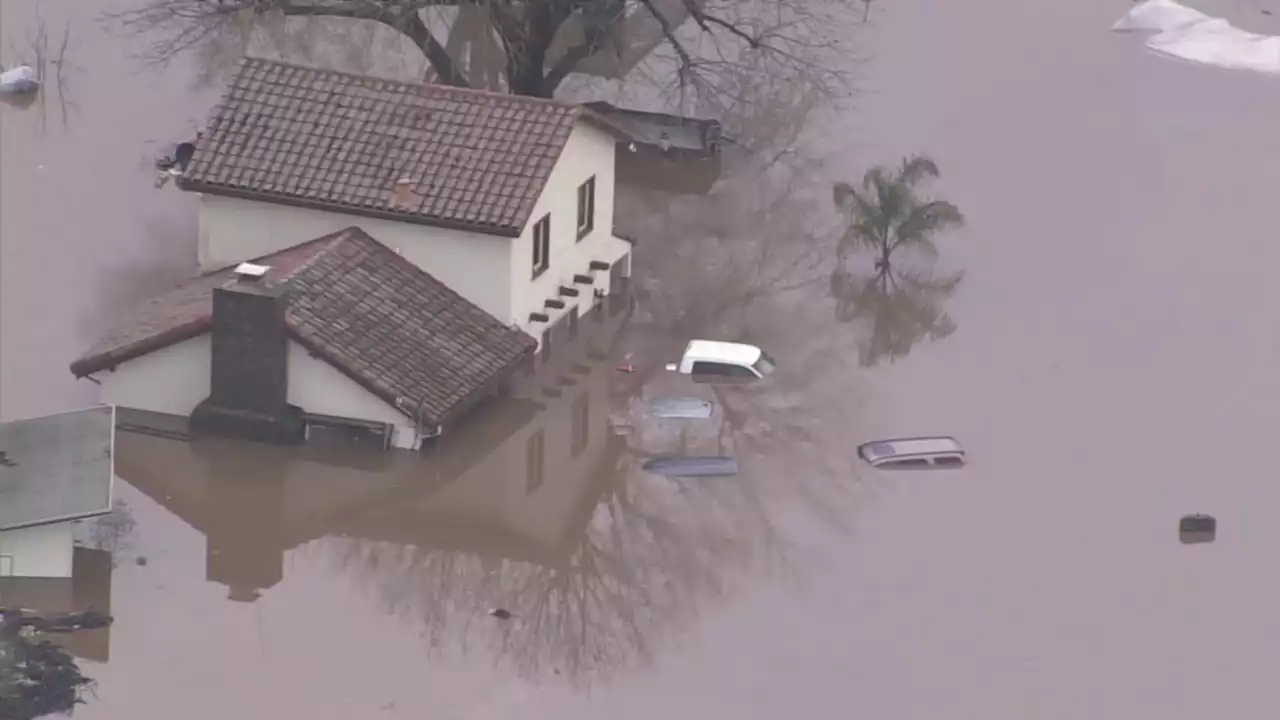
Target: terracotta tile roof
<point>477,160</point>
<point>359,306</point>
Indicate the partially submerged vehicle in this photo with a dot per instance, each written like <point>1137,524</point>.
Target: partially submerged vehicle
<point>693,466</point>
<point>916,453</point>
<point>1197,528</point>
<point>716,361</point>
<point>681,408</point>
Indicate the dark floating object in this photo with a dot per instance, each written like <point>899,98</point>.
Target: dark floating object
<point>1197,528</point>
<point>5,461</point>
<point>500,613</point>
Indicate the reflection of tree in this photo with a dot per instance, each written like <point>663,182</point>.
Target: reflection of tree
<point>650,559</point>
<point>48,55</point>
<point>897,308</point>
<point>113,532</point>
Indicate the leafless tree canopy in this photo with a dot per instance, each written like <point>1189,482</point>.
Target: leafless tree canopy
<point>537,43</point>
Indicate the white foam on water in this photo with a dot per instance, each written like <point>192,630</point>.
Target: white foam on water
<point>1189,34</point>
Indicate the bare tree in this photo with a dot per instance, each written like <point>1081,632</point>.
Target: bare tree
<point>538,43</point>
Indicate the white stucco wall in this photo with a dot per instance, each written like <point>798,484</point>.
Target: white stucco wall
<point>174,380</point>
<point>318,387</point>
<point>588,152</point>
<point>44,551</point>
<point>476,266</point>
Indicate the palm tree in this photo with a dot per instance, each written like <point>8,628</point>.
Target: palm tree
<point>886,213</point>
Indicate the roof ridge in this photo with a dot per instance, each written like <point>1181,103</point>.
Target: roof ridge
<point>247,60</point>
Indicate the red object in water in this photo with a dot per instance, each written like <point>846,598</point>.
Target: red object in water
<point>626,368</point>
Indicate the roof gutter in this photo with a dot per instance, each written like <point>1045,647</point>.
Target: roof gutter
<point>282,199</point>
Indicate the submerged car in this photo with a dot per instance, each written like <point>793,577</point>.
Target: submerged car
<point>918,453</point>
<point>681,408</point>
<point>713,360</point>
<point>683,467</point>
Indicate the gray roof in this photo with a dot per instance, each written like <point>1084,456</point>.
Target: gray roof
<point>56,468</point>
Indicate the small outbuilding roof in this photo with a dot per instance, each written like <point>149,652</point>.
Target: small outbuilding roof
<point>56,468</point>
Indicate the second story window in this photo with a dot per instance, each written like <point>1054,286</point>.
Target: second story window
<point>586,207</point>
<point>542,245</point>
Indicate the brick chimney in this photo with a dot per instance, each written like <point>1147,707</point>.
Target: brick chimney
<point>249,373</point>
<point>403,196</point>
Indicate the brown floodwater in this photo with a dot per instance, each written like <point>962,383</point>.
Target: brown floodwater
<point>1113,369</point>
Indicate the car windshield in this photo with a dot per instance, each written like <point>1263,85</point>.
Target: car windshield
<point>765,365</point>
<point>880,450</point>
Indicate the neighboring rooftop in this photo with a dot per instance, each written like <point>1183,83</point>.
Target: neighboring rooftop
<point>652,128</point>
<point>355,303</point>
<point>476,160</point>
<point>56,468</point>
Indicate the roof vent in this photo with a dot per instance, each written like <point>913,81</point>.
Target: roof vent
<point>250,272</point>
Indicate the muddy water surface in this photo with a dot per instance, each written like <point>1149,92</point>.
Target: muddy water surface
<point>1112,370</point>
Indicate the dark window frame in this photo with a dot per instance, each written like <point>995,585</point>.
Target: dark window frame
<point>587,207</point>
<point>699,366</point>
<point>548,339</point>
<point>542,245</point>
<point>535,455</point>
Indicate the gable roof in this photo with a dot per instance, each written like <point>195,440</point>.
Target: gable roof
<point>291,134</point>
<point>379,319</point>
<point>56,468</point>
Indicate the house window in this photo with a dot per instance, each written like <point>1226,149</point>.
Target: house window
<point>546,344</point>
<point>581,425</point>
<point>535,451</point>
<point>573,323</point>
<point>586,207</point>
<point>542,245</point>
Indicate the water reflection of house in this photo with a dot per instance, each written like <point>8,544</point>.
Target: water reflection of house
<point>516,481</point>
<point>88,588</point>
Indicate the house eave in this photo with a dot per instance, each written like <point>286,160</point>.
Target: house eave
<point>91,364</point>
<point>54,521</point>
<point>190,185</point>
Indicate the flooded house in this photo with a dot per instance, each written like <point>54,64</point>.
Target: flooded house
<point>378,258</point>
<point>55,471</point>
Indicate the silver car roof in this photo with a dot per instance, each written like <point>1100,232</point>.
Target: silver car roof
<point>895,447</point>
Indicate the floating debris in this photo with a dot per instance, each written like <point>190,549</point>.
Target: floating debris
<point>500,613</point>
<point>1197,528</point>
